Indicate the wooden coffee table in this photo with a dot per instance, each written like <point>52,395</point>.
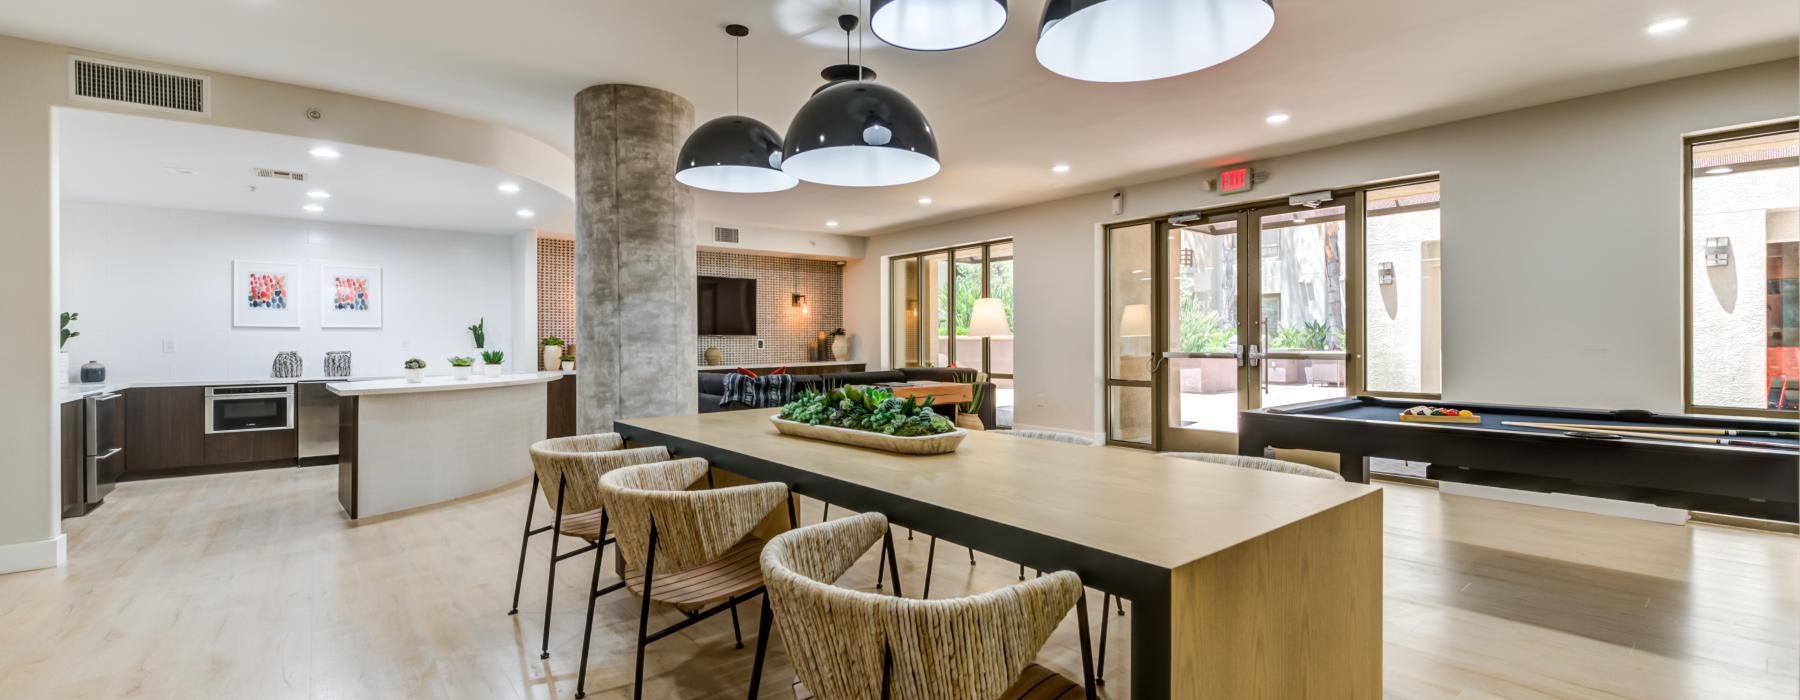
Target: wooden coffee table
<point>943,393</point>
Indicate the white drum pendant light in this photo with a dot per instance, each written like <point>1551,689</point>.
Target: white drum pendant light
<point>733,153</point>
<point>856,133</point>
<point>1121,41</point>
<point>936,25</point>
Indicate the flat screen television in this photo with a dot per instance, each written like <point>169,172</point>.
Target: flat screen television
<point>727,306</point>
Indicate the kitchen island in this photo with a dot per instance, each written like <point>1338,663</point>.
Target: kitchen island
<point>403,445</point>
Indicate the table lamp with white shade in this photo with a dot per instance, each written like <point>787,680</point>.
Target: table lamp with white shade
<point>988,318</point>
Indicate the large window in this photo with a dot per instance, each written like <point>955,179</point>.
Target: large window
<point>1743,271</point>
<point>1402,290</point>
<point>939,317</point>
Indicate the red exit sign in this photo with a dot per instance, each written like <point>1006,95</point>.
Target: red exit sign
<point>1235,180</point>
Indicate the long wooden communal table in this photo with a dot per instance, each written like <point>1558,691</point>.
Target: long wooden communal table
<point>1244,584</point>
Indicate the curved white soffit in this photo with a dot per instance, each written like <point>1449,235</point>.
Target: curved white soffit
<point>1120,41</point>
<point>860,166</point>
<point>736,178</point>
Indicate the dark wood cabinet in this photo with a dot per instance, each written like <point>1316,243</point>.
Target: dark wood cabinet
<point>165,428</point>
<point>559,419</point>
<point>74,458</point>
<point>224,449</point>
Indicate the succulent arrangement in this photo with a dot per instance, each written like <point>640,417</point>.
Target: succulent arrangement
<point>462,362</point>
<point>871,409</point>
<point>479,330</point>
<point>66,333</point>
<point>492,357</point>
<point>415,363</point>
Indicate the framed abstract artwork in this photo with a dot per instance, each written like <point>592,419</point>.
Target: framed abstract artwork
<point>350,296</point>
<point>265,294</point>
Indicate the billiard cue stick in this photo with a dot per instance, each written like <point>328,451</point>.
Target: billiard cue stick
<point>1732,432</point>
<point>1601,430</point>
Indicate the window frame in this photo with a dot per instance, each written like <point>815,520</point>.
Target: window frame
<point>949,253</point>
<point>1688,143</point>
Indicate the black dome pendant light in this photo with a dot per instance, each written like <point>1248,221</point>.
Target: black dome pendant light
<point>1118,41</point>
<point>733,153</point>
<point>856,133</point>
<point>936,25</point>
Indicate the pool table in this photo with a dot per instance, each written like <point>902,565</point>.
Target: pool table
<point>1762,482</point>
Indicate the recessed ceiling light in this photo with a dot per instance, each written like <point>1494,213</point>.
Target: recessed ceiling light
<point>1059,168</point>
<point>924,200</point>
<point>509,187</point>
<point>1299,220</point>
<point>1277,119</point>
<point>1144,279</point>
<point>178,171</point>
<point>525,213</point>
<point>1665,26</point>
<point>831,223</point>
<point>1721,170</point>
<point>325,152</point>
<point>1137,272</point>
<point>319,194</point>
<point>314,208</point>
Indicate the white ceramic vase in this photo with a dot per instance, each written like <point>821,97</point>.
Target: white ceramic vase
<point>490,370</point>
<point>840,347</point>
<point>568,365</point>
<point>462,372</point>
<point>552,357</point>
<point>415,376</point>
<point>62,367</point>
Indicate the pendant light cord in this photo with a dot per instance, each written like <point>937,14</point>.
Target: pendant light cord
<point>861,9</point>
<point>737,78</point>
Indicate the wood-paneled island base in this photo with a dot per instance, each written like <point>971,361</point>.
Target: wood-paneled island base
<point>1244,584</point>
<point>403,445</point>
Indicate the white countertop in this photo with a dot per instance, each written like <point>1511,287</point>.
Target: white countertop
<point>438,383</point>
<point>75,390</point>
<point>778,363</point>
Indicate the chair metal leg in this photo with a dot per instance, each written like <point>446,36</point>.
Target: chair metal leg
<point>930,558</point>
<point>587,632</point>
<point>1100,672</point>
<point>550,586</point>
<point>766,621</point>
<point>892,562</point>
<point>827,515</point>
<point>887,541</point>
<point>1119,601</point>
<point>971,555</point>
<point>1021,572</point>
<point>737,633</point>
<point>524,539</point>
<point>637,686</point>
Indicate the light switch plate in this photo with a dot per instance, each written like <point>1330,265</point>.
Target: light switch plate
<point>168,345</point>
<point>759,343</point>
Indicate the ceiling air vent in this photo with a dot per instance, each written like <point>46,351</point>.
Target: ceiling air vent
<point>136,85</point>
<point>725,235</point>
<point>281,174</point>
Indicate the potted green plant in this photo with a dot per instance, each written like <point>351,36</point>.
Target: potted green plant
<point>568,363</point>
<point>553,352</point>
<point>968,413</point>
<point>490,362</point>
<point>415,370</point>
<point>479,331</point>
<point>460,367</point>
<point>62,353</point>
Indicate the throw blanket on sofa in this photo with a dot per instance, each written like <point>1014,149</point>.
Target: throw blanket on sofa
<point>770,391</point>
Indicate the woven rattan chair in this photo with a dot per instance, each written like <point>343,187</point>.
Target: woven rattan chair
<point>1055,436</point>
<point>1258,463</point>
<point>855,645</point>
<point>688,548</point>
<point>568,471</point>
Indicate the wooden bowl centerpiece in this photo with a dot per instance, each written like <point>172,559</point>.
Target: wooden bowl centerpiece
<point>869,417</point>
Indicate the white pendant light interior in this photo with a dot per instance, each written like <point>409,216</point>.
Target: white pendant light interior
<point>736,178</point>
<point>1117,41</point>
<point>859,166</point>
<point>937,25</point>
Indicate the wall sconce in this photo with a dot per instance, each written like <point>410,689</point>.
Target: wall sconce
<point>1386,274</point>
<point>1718,251</point>
<point>800,301</point>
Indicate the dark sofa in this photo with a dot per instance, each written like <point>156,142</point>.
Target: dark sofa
<point>712,385</point>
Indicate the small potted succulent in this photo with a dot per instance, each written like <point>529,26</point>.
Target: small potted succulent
<point>460,367</point>
<point>568,363</point>
<point>415,371</point>
<point>553,352</point>
<point>490,362</point>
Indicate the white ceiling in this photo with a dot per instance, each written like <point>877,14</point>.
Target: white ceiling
<point>1344,70</point>
<point>128,159</point>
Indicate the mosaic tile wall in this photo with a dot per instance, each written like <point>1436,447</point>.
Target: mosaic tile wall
<point>787,335</point>
<point>555,289</point>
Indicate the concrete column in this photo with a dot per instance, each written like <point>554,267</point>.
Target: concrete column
<point>634,257</point>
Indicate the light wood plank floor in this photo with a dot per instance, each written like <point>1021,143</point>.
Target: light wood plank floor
<point>254,586</point>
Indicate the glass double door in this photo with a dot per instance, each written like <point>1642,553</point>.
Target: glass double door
<point>1214,315</point>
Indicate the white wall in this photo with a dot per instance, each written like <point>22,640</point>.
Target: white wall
<point>1561,251</point>
<point>140,276</point>
<point>759,240</point>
